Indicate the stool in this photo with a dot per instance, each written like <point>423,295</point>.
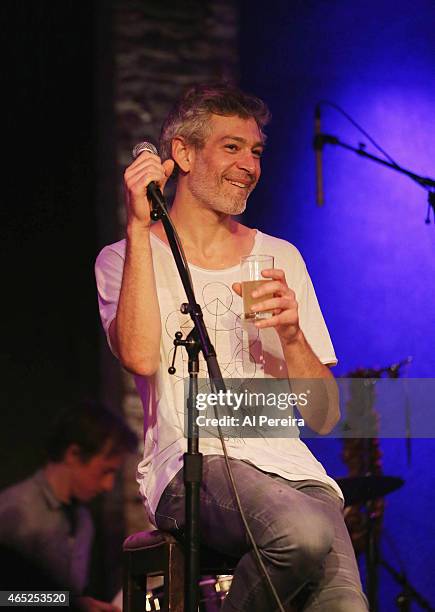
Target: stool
<point>158,553</point>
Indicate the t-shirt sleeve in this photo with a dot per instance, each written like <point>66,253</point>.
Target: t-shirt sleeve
<point>108,273</point>
<point>312,322</point>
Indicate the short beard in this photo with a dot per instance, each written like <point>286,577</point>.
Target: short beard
<point>233,208</point>
<point>215,198</point>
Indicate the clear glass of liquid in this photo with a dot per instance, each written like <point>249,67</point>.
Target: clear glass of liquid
<point>252,278</point>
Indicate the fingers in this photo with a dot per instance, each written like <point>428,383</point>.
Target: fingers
<point>145,169</point>
<point>145,158</point>
<point>280,322</point>
<point>276,304</point>
<point>276,287</point>
<point>168,166</point>
<point>277,283</point>
<point>272,287</point>
<point>279,300</point>
<point>153,168</point>
<point>237,288</point>
<point>275,273</point>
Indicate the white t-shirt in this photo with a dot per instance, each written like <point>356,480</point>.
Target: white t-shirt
<point>243,351</point>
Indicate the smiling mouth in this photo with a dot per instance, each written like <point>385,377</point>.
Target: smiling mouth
<point>239,184</point>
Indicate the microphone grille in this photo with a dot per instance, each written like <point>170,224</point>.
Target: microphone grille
<point>144,146</point>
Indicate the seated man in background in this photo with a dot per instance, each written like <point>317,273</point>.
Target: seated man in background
<point>44,523</point>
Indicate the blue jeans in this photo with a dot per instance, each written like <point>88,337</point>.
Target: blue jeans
<point>298,527</point>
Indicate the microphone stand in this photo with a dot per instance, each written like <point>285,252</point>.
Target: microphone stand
<point>425,182</point>
<point>197,340</point>
<point>409,593</point>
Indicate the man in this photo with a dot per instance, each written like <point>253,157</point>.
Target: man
<point>214,139</point>
<point>44,525</point>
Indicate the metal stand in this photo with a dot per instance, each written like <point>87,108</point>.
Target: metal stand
<point>372,559</point>
<point>427,183</point>
<point>192,462</point>
<point>408,594</point>
<point>197,340</point>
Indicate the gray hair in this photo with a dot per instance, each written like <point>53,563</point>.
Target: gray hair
<point>190,116</point>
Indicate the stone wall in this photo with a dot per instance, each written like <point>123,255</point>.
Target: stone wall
<point>159,49</point>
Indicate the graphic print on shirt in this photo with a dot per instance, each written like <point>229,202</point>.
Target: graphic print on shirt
<point>237,343</point>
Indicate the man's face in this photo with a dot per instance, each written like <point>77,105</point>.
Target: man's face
<point>95,475</point>
<point>225,171</point>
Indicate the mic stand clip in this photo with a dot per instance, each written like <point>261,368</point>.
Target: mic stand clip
<point>427,183</point>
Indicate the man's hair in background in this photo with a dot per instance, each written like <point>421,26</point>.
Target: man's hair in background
<point>90,426</point>
<point>190,116</point>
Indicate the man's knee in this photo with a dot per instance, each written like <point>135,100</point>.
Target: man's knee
<point>302,547</point>
<point>314,543</point>
<point>345,600</point>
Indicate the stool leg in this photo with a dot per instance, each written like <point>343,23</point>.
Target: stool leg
<point>133,595</point>
<point>174,580</point>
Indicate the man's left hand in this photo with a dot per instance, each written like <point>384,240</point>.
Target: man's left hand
<point>282,305</point>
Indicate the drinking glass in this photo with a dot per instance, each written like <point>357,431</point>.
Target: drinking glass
<point>251,269</point>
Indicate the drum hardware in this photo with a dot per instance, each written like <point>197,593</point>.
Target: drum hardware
<point>366,486</point>
<point>362,489</point>
<point>152,601</point>
<point>213,590</point>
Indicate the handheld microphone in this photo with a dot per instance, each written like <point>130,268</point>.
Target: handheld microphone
<point>153,190</point>
<point>318,148</point>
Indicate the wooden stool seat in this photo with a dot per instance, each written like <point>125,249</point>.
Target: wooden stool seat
<point>158,553</point>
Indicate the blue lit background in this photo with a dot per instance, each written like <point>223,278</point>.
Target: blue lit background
<point>369,252</point>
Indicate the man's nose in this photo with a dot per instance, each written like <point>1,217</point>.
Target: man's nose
<point>248,162</point>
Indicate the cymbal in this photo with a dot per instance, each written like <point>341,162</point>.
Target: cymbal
<point>360,489</point>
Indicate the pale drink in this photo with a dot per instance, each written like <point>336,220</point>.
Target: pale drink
<point>247,288</point>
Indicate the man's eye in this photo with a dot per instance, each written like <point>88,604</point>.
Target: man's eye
<point>231,147</point>
<point>258,153</point>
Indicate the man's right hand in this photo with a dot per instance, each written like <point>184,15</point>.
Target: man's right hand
<point>135,332</point>
<point>146,167</point>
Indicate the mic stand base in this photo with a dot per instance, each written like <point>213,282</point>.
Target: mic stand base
<point>192,470</point>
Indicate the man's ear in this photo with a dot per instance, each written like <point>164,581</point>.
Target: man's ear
<point>182,153</point>
<point>72,455</point>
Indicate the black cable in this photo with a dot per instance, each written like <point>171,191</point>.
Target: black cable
<point>180,246</point>
<point>245,523</point>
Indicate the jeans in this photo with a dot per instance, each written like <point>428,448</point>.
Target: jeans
<point>298,527</point>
